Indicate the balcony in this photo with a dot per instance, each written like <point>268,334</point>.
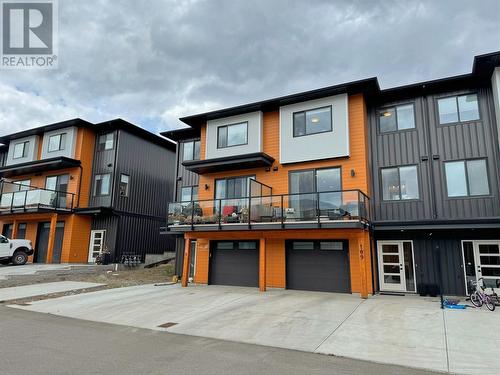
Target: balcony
<point>331,209</point>
<point>16,198</point>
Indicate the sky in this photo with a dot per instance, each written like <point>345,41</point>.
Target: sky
<point>151,62</point>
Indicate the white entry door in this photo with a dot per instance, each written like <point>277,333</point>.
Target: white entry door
<point>482,260</point>
<point>396,266</point>
<point>96,244</point>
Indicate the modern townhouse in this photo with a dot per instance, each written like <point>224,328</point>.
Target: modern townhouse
<point>435,165</point>
<point>281,197</point>
<point>348,188</point>
<point>77,189</point>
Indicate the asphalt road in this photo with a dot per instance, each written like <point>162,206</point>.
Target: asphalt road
<point>33,343</point>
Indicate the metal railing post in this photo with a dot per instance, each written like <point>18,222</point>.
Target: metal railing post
<point>220,213</point>
<point>25,199</point>
<point>249,209</point>
<point>282,213</point>
<point>192,215</point>
<point>12,202</point>
<point>318,213</point>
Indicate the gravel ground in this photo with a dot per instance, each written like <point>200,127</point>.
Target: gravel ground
<point>99,274</point>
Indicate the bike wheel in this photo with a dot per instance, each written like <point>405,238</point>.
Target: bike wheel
<point>475,300</point>
<point>490,305</point>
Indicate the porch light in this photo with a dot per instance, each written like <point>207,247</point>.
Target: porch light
<point>387,114</point>
<point>315,120</point>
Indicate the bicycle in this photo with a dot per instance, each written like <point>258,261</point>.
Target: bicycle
<point>479,298</point>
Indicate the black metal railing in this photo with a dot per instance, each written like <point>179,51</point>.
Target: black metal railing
<point>315,207</point>
<point>16,197</point>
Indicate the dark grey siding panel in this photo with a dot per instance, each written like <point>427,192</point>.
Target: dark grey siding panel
<point>473,139</point>
<point>3,157</point>
<point>104,162</point>
<point>152,175</point>
<point>109,223</point>
<point>141,236</point>
<point>187,178</point>
<point>447,245</point>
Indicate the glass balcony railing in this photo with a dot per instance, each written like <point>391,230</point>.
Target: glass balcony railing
<point>287,210</point>
<point>16,197</point>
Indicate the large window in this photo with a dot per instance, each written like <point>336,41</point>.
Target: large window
<point>396,118</point>
<point>191,150</point>
<point>312,121</point>
<point>233,187</point>
<point>102,184</point>
<point>400,183</point>
<point>21,150</point>
<point>189,193</point>
<point>23,185</point>
<point>56,142</point>
<point>466,178</point>
<point>106,141</point>
<point>232,135</point>
<point>458,109</point>
<point>58,184</point>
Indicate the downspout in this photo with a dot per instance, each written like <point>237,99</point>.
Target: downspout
<point>113,187</point>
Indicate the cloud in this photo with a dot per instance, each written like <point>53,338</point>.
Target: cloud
<point>153,62</point>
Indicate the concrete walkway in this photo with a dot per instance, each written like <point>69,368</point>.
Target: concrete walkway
<point>407,331</point>
<point>35,290</point>
<point>31,269</point>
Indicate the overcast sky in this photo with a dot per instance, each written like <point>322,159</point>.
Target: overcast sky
<point>151,62</point>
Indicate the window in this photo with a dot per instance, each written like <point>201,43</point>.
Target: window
<point>232,135</point>
<point>230,188</point>
<point>458,109</point>
<point>312,121</point>
<point>23,185</point>
<point>331,245</point>
<point>123,188</point>
<point>106,141</point>
<point>21,230</point>
<point>400,117</point>
<point>466,178</point>
<point>21,150</point>
<point>56,142</point>
<point>319,180</point>
<point>101,184</point>
<point>57,183</point>
<point>191,150</point>
<point>303,245</point>
<point>189,193</point>
<point>400,183</point>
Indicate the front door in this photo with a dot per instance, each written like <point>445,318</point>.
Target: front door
<point>396,266</point>
<point>96,244</point>
<point>482,260</point>
<point>192,261</point>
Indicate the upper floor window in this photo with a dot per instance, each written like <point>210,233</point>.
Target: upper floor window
<point>466,178</point>
<point>315,180</point>
<point>23,185</point>
<point>106,141</point>
<point>400,183</point>
<point>102,184</point>
<point>312,121</point>
<point>124,185</point>
<point>400,117</point>
<point>56,142</point>
<point>21,150</point>
<point>189,193</point>
<point>57,183</point>
<point>236,187</point>
<point>458,109</point>
<point>232,135</point>
<point>191,150</point>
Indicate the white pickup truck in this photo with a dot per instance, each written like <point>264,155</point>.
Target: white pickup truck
<point>14,251</point>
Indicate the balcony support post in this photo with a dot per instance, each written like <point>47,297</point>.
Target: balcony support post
<point>52,238</point>
<point>185,264</point>
<point>262,265</point>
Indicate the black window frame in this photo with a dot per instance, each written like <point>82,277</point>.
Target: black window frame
<point>236,244</point>
<point>95,185</point>
<point>456,96</point>
<point>193,156</point>
<point>315,171</point>
<point>226,129</point>
<point>251,176</point>
<point>101,146</point>
<point>191,187</point>
<point>467,181</point>
<point>127,185</point>
<point>330,107</point>
<point>62,140</point>
<point>395,108</point>
<point>25,150</point>
<point>397,167</point>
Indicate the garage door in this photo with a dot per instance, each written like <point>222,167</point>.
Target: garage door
<point>318,265</point>
<point>234,263</point>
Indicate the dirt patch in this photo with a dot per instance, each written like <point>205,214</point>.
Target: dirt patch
<point>100,274</point>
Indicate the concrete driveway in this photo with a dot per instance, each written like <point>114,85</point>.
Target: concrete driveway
<point>408,331</point>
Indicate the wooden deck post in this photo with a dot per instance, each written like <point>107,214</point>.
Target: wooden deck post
<point>52,238</point>
<point>14,229</point>
<point>185,265</point>
<point>362,267</point>
<point>262,265</point>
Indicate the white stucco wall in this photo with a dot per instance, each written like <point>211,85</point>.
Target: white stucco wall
<point>69,146</point>
<point>495,83</point>
<point>254,144</point>
<point>315,146</point>
<point>31,154</point>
